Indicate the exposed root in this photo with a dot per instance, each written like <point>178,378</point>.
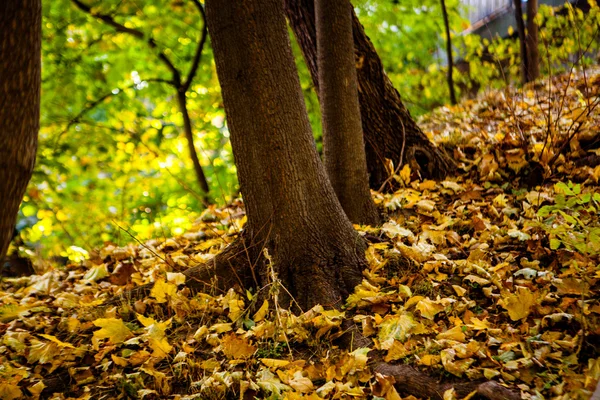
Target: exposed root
<point>432,162</point>
<point>411,381</point>
<point>231,267</point>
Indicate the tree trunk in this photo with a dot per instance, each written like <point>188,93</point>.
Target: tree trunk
<point>533,54</point>
<point>20,80</point>
<point>189,135</point>
<point>292,209</point>
<point>389,130</point>
<point>522,41</point>
<point>343,143</point>
<point>449,53</point>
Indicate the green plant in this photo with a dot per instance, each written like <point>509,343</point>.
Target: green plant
<point>572,220</point>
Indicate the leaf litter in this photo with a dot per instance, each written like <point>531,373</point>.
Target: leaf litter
<point>493,274</point>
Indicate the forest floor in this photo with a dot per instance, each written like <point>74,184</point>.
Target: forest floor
<point>502,282</point>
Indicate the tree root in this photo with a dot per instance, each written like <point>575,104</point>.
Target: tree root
<point>413,382</point>
<point>228,269</point>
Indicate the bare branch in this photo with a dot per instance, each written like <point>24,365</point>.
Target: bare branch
<point>186,85</point>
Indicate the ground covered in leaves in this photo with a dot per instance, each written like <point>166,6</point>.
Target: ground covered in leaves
<point>493,274</point>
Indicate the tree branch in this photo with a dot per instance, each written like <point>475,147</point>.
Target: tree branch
<point>109,20</point>
<point>188,81</point>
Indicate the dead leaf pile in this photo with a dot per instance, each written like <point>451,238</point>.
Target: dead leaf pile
<point>484,276</point>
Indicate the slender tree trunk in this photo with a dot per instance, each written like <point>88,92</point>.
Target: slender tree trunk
<point>292,209</point>
<point>20,69</point>
<point>189,135</point>
<point>343,144</point>
<point>522,40</point>
<point>533,54</point>
<point>450,78</point>
<point>389,130</point>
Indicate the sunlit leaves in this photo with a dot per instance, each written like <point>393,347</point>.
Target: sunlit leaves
<point>162,290</point>
<point>113,329</point>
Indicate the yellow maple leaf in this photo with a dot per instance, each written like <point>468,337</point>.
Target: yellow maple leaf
<point>221,328</point>
<point>162,289</point>
<point>394,327</point>
<point>478,325</point>
<point>9,391</point>
<point>459,290</point>
<point>236,347</point>
<point>113,329</point>
<point>35,389</point>
<point>455,333</point>
<point>412,301</point>
<point>155,333</point>
<point>519,304</point>
<point>429,308</point>
<point>397,351</point>
<point>96,273</point>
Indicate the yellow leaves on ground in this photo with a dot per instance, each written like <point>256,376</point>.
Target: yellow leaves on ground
<point>42,352</point>
<point>462,280</point>
<point>273,363</point>
<point>162,290</point>
<point>113,329</point>
<point>394,327</point>
<point>96,273</point>
<point>519,304</point>
<point>236,347</point>
<point>9,391</point>
<point>456,333</point>
<point>57,341</point>
<point>155,333</point>
<point>429,308</point>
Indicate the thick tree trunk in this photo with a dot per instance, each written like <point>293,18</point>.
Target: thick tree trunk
<point>450,77</point>
<point>522,40</point>
<point>533,54</point>
<point>292,209</point>
<point>20,69</point>
<point>343,143</point>
<point>389,130</point>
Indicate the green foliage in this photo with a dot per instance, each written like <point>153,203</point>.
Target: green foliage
<point>571,221</point>
<point>112,154</point>
<point>408,37</point>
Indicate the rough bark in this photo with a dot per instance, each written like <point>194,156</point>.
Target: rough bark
<point>408,379</point>
<point>20,80</point>
<point>343,143</point>
<point>522,40</point>
<point>389,130</point>
<point>533,54</point>
<point>292,209</point>
<point>450,77</point>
